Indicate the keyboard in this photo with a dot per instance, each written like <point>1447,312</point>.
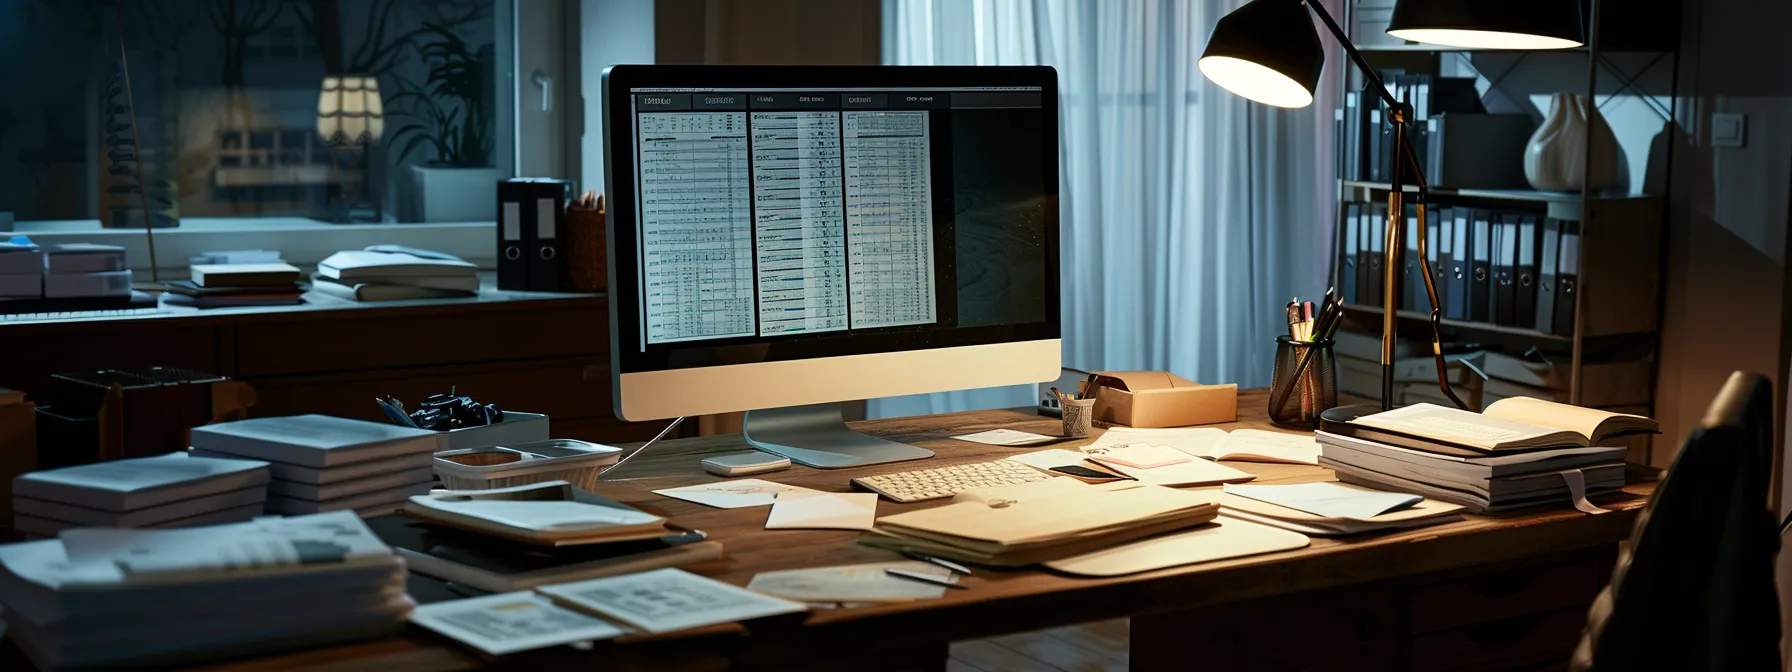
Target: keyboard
<point>924,484</point>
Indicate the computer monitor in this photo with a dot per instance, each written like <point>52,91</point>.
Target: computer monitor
<point>782,239</point>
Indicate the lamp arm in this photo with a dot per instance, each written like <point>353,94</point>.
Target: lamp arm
<point>1379,88</point>
<point>1437,349</point>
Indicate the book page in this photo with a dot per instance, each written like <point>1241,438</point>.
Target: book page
<point>1578,419</point>
<point>1457,426</point>
<point>1196,441</point>
<point>1256,445</point>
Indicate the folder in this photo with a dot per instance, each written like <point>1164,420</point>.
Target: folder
<point>1505,257</point>
<point>1480,289</point>
<point>1353,136</point>
<point>1567,273</point>
<point>1524,275</point>
<point>1412,282</point>
<point>546,212</point>
<point>1378,218</point>
<point>1460,261</point>
<point>1348,252</point>
<point>1437,236</point>
<point>1377,173</point>
<point>1550,243</point>
<point>513,247</point>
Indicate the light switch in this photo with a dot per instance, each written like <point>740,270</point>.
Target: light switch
<point>1729,130</point>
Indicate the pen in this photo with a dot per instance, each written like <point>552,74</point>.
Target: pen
<point>923,578</point>
<point>1293,309</point>
<point>948,564</point>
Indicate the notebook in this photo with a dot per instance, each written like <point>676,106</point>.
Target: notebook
<point>551,513</point>
<point>137,483</point>
<point>313,440</point>
<point>496,565</point>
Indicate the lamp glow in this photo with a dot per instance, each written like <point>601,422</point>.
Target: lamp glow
<point>1255,82</point>
<point>1489,24</point>
<point>1482,39</point>
<point>349,111</point>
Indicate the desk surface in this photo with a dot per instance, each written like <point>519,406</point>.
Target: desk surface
<point>1002,601</point>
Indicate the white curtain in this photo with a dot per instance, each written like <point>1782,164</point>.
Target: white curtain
<point>1189,215</point>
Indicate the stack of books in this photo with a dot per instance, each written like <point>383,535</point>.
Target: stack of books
<point>21,270</point>
<point>1520,452</point>
<point>360,275</point>
<point>518,538</point>
<point>236,285</point>
<point>173,490</point>
<point>323,463</point>
<point>85,270</point>
<point>200,594</point>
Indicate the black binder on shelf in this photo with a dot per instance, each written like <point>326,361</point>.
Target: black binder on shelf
<point>1524,274</point>
<point>1550,243</point>
<point>1567,277</point>
<point>1457,306</point>
<point>1480,286</point>
<point>513,242</point>
<point>1353,136</point>
<point>546,213</point>
<point>1347,253</point>
<point>1505,258</point>
<point>1439,226</point>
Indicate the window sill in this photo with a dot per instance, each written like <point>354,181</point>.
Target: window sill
<point>300,240</point>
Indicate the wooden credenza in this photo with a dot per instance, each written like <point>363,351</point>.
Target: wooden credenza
<point>536,352</point>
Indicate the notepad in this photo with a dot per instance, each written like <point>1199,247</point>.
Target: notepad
<point>734,494</point>
<point>1330,500</point>
<point>814,510</point>
<point>1007,437</point>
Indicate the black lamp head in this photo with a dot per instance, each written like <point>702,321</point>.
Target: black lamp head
<point>1489,24</point>
<point>1267,51</point>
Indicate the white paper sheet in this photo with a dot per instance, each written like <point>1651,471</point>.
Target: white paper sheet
<point>1198,441</point>
<point>1329,500</point>
<point>1007,437</point>
<point>664,600</point>
<point>735,494</point>
<point>1577,490</point>
<point>813,510</point>
<point>1248,444</point>
<point>852,583</point>
<point>511,622</point>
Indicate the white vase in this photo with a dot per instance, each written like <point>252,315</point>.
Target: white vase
<point>1557,159</point>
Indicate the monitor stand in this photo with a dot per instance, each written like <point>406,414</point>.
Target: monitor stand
<point>816,436</point>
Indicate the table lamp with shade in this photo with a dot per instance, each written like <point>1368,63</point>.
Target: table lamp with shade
<point>350,113</point>
<point>1269,51</point>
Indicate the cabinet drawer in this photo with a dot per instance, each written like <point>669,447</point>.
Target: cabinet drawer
<point>374,342</point>
<point>1540,640</point>
<point>1506,594</point>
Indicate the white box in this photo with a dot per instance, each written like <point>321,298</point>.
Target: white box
<point>87,285</point>
<point>84,258</point>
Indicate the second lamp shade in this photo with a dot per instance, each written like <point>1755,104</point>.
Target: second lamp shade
<point>1489,24</point>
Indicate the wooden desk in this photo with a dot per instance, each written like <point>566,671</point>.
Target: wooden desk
<point>1423,569</point>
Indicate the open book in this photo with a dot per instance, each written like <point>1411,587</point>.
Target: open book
<point>552,513</point>
<point>1245,445</point>
<point>1518,423</point>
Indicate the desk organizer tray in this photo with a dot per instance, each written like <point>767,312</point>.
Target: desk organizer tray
<point>573,461</point>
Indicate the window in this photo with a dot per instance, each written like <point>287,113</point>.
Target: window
<point>252,112</point>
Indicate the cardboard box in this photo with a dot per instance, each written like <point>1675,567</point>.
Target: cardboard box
<point>1161,399</point>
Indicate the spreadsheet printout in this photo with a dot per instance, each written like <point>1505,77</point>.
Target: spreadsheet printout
<point>799,222</point>
<point>889,218</point>
<point>696,226</point>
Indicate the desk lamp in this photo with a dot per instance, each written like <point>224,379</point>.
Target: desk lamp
<point>1269,51</point>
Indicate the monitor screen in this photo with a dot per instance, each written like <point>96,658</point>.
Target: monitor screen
<point>777,213</point>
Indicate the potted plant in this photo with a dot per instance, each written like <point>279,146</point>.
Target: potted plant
<point>452,115</point>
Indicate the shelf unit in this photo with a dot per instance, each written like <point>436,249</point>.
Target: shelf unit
<point>1621,261</point>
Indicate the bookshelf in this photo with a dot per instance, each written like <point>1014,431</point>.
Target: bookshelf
<point>1622,233</point>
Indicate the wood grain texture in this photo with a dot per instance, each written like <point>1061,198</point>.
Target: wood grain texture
<point>1002,602</point>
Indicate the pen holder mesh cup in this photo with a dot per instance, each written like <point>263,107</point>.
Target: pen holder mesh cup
<point>1304,382</point>
<point>1079,416</point>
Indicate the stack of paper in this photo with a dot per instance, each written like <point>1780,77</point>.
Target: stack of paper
<point>550,513</point>
<point>172,490</point>
<point>230,285</point>
<point>359,275</point>
<point>1333,509</point>
<point>1519,452</point>
<point>1024,524</point>
<point>498,565</point>
<point>81,270</point>
<point>323,463</point>
<point>21,270</point>
<point>199,594</point>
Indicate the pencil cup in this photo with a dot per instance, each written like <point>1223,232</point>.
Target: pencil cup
<point>1079,415</point>
<point>1304,382</point>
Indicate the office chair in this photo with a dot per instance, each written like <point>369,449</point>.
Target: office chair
<point>1694,589</point>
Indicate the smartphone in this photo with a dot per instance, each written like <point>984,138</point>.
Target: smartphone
<point>1087,474</point>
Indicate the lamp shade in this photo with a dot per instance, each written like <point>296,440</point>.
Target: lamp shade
<point>349,111</point>
<point>1489,24</point>
<point>1267,51</point>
